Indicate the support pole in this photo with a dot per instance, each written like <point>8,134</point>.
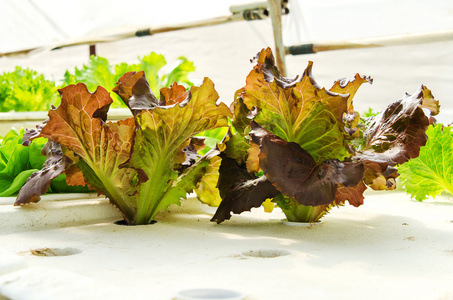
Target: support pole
<point>275,10</point>
<point>93,50</point>
<point>373,42</point>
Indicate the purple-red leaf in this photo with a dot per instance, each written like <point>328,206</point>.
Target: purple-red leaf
<point>135,92</point>
<point>39,182</point>
<point>174,94</point>
<point>395,136</point>
<point>32,133</point>
<point>399,131</point>
<point>240,190</point>
<point>295,173</point>
<point>354,194</point>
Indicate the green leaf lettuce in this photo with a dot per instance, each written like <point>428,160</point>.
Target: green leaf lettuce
<point>431,173</point>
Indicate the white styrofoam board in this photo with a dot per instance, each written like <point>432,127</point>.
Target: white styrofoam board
<point>389,248</point>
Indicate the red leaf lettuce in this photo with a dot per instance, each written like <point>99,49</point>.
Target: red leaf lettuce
<point>307,143</point>
<point>139,163</point>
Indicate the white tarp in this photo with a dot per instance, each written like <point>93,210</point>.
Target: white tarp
<point>39,23</point>
<point>327,20</point>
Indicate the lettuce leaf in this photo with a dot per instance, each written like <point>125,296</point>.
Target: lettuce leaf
<point>206,188</point>
<point>399,130</point>
<point>395,136</point>
<point>39,181</point>
<point>95,147</point>
<point>98,72</point>
<point>240,190</point>
<point>431,173</point>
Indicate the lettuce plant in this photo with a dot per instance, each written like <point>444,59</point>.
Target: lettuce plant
<point>26,90</point>
<point>99,72</point>
<point>18,162</point>
<point>304,147</point>
<point>431,173</point>
<point>143,163</point>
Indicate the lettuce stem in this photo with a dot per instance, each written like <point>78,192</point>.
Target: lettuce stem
<point>296,212</point>
<point>104,184</point>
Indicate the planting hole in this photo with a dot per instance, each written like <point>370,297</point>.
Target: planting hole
<point>55,251</point>
<point>123,222</point>
<point>209,294</point>
<point>266,253</point>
